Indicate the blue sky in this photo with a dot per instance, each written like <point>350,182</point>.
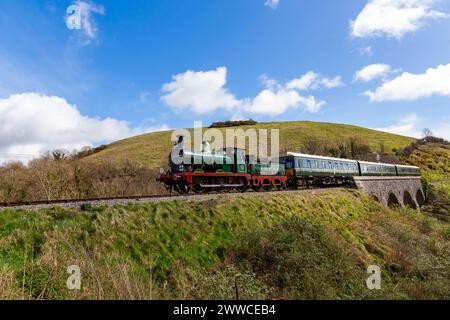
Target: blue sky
<point>135,66</point>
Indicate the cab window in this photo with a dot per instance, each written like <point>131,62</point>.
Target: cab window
<point>289,163</point>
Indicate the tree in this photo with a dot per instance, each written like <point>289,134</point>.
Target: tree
<point>427,133</point>
<point>59,154</point>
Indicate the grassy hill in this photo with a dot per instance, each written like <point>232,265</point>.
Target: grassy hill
<point>152,149</point>
<point>284,246</point>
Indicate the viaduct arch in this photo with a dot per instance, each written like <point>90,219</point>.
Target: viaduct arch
<point>393,191</point>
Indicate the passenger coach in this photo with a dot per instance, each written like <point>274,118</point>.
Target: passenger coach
<point>305,169</point>
<point>376,169</point>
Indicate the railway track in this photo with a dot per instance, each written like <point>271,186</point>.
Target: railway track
<point>30,205</point>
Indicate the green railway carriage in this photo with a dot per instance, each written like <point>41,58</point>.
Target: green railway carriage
<point>408,171</point>
<point>376,169</point>
<point>305,165</point>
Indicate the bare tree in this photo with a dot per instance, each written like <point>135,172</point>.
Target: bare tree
<point>427,133</point>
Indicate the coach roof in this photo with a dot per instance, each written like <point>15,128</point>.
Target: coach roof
<point>302,155</point>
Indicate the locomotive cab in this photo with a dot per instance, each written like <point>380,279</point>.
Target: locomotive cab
<point>239,162</point>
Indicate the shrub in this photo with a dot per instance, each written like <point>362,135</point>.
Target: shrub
<point>301,259</point>
<point>224,124</point>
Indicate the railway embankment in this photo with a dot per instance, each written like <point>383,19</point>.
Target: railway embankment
<point>293,245</point>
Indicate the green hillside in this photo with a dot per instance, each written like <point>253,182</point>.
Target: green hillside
<point>152,149</point>
<point>302,245</point>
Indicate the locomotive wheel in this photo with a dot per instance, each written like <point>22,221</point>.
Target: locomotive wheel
<point>197,188</point>
<point>244,186</point>
<point>182,188</point>
<point>177,189</point>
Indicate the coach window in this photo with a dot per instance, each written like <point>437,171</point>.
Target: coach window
<point>309,164</point>
<point>303,163</point>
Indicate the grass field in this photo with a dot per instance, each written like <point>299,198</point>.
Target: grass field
<point>153,149</point>
<point>298,246</point>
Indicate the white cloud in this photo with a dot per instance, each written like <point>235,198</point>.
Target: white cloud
<point>275,102</point>
<point>331,83</point>
<point>271,102</point>
<point>31,123</point>
<point>200,92</point>
<point>393,18</point>
<point>366,51</point>
<point>82,19</point>
<point>412,126</point>
<point>204,92</point>
<point>272,3</point>
<point>313,80</point>
<point>406,126</point>
<point>372,71</point>
<point>407,86</point>
<point>304,82</point>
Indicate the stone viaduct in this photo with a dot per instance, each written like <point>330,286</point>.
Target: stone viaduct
<point>393,191</point>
